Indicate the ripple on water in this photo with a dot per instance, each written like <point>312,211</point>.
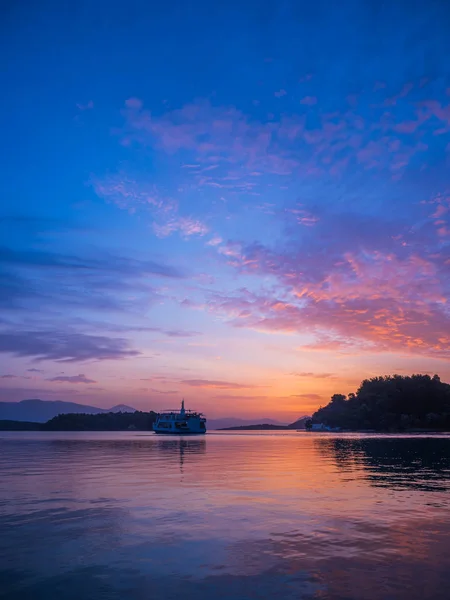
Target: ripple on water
<point>225,516</point>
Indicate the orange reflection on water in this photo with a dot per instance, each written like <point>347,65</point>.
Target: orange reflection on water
<point>248,515</point>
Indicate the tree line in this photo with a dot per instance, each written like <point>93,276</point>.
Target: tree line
<point>391,403</point>
<point>121,421</point>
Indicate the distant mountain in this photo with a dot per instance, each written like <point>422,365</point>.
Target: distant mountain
<point>299,424</point>
<point>231,422</point>
<point>259,427</point>
<point>119,408</point>
<point>40,411</point>
<point>267,426</point>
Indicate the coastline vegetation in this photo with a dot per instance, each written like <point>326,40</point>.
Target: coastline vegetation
<point>387,403</point>
<point>391,403</point>
<point>112,421</point>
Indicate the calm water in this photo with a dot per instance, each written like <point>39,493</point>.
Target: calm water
<point>257,515</point>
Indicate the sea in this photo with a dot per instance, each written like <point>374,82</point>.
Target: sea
<point>230,515</point>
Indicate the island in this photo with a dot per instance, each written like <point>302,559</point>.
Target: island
<point>111,421</point>
<point>390,403</point>
<point>299,424</point>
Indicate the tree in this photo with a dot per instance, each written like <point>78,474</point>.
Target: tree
<point>391,402</point>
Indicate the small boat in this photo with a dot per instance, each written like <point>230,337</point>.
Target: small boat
<point>182,422</point>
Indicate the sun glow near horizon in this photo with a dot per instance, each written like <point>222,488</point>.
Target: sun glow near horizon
<point>253,238</point>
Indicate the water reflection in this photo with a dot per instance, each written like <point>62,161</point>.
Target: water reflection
<point>181,447</point>
<point>393,462</point>
<point>227,516</point>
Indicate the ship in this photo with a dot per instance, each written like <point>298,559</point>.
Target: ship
<point>180,422</point>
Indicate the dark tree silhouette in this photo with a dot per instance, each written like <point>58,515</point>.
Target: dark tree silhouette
<point>141,421</point>
<point>391,403</point>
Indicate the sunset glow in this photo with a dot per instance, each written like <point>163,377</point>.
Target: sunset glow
<point>252,218</point>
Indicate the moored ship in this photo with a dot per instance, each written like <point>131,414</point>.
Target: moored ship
<point>182,422</point>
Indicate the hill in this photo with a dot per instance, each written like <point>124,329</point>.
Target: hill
<point>19,426</point>
<point>112,421</point>
<point>299,424</point>
<point>391,403</point>
<point>40,411</point>
<point>227,422</point>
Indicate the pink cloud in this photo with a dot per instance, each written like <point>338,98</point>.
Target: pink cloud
<point>308,396</point>
<point>72,379</point>
<point>406,89</point>
<point>134,103</point>
<point>223,139</point>
<point>310,375</point>
<point>212,384</point>
<point>131,194</point>
<point>215,241</point>
<point>371,291</point>
<point>309,100</point>
<point>186,226</point>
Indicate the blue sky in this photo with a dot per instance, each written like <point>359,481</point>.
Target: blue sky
<point>246,205</point>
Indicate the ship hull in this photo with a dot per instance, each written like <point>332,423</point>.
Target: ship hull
<point>182,422</point>
<point>179,432</point>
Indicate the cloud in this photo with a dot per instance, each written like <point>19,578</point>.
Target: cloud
<point>309,100</point>
<point>131,192</point>
<point>211,384</point>
<point>180,333</point>
<point>342,141</point>
<point>134,193</point>
<point>375,285</point>
<point>308,375</point>
<point>100,264</point>
<point>73,379</point>
<point>16,394</point>
<point>64,346</point>
<point>307,396</point>
<point>215,241</point>
<point>241,397</point>
<point>207,132</point>
<point>35,370</point>
<point>184,225</point>
<point>8,376</point>
<point>122,328</point>
<point>88,106</point>
<point>134,103</point>
<point>34,280</point>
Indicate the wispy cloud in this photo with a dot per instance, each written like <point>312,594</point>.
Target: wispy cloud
<point>310,375</point>
<point>374,288</point>
<point>133,193</point>
<point>342,141</point>
<point>35,280</point>
<point>308,396</point>
<point>72,379</point>
<point>211,384</point>
<point>309,100</point>
<point>64,346</point>
<point>88,106</point>
<point>184,225</point>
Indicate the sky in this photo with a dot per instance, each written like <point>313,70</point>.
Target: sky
<point>244,204</point>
